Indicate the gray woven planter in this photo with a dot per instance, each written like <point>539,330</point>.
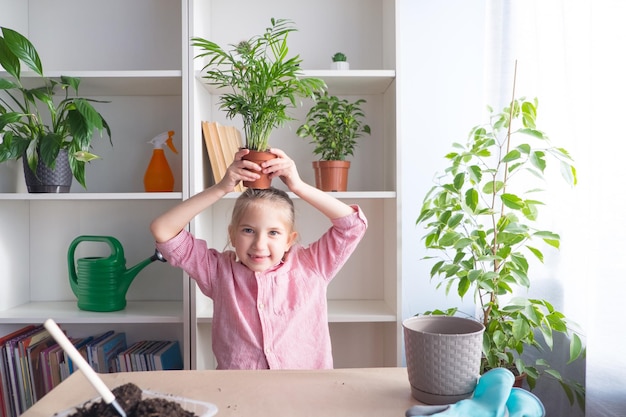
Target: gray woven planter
<point>46,180</point>
<point>443,357</point>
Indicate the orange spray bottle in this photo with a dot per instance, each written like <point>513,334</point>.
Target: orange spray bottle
<point>159,175</point>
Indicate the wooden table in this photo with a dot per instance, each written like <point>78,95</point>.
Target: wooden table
<point>369,392</point>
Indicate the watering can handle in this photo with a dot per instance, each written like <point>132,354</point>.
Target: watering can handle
<point>114,244</point>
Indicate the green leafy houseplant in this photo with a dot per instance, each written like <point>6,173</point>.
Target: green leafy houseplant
<point>339,57</point>
<point>28,131</point>
<point>334,125</point>
<point>264,82</point>
<point>480,217</point>
<point>340,61</point>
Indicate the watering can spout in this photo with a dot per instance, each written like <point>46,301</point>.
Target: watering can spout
<point>100,283</point>
<point>130,274</point>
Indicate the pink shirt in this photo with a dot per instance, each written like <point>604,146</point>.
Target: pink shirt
<point>275,319</point>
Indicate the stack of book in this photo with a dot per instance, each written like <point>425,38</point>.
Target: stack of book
<point>150,355</point>
<point>222,142</point>
<point>32,363</point>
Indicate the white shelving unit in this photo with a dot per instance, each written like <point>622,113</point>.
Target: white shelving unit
<point>137,55</point>
<point>364,302</point>
<point>131,55</point>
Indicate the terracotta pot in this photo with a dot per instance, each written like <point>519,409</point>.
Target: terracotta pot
<point>519,380</point>
<point>258,158</point>
<point>331,175</point>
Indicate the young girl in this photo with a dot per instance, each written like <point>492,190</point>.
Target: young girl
<point>269,294</point>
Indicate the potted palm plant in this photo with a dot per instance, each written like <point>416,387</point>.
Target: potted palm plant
<point>46,132</point>
<point>334,124</point>
<point>481,220</point>
<point>263,82</point>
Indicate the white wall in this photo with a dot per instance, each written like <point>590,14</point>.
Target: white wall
<point>603,240</point>
<point>13,15</point>
<point>440,97</point>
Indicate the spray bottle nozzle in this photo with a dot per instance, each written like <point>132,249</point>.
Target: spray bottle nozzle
<point>164,138</point>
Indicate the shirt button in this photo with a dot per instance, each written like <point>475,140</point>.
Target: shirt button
<point>260,306</point>
<point>268,350</point>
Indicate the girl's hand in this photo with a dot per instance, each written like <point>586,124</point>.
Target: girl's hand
<point>284,167</point>
<point>239,170</point>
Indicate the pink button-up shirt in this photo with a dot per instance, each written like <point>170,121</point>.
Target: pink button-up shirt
<point>275,319</point>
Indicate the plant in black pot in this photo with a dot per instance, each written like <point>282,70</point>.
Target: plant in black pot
<point>334,125</point>
<point>262,80</point>
<point>481,219</point>
<point>45,129</point>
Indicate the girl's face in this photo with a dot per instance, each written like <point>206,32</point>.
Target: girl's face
<point>263,235</point>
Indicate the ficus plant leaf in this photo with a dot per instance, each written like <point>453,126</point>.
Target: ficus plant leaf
<point>480,228</point>
<point>475,173</point>
<point>512,201</point>
<point>512,156</point>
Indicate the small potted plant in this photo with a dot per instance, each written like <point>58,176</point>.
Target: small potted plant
<point>46,140</point>
<point>340,61</point>
<point>334,124</point>
<point>481,221</point>
<point>263,83</point>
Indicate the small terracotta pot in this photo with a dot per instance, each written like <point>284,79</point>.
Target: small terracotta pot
<point>519,380</point>
<point>259,157</point>
<point>331,175</point>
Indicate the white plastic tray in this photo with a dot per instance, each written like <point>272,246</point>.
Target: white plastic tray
<point>199,408</point>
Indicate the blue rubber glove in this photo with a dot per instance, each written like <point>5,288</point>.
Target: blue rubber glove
<point>489,400</point>
<point>522,403</point>
<point>493,397</point>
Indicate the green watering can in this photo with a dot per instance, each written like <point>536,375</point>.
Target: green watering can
<point>100,284</point>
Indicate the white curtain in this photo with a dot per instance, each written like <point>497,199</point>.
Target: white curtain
<point>571,54</point>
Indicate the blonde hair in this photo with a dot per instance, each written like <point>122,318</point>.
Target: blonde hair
<point>252,195</point>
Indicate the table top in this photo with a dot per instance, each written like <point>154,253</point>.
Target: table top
<point>375,392</point>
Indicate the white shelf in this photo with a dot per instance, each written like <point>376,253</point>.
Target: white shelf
<point>343,195</point>
<point>91,196</point>
<point>364,311</point>
<point>68,312</point>
<point>339,311</point>
<point>347,82</point>
<point>115,83</point>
